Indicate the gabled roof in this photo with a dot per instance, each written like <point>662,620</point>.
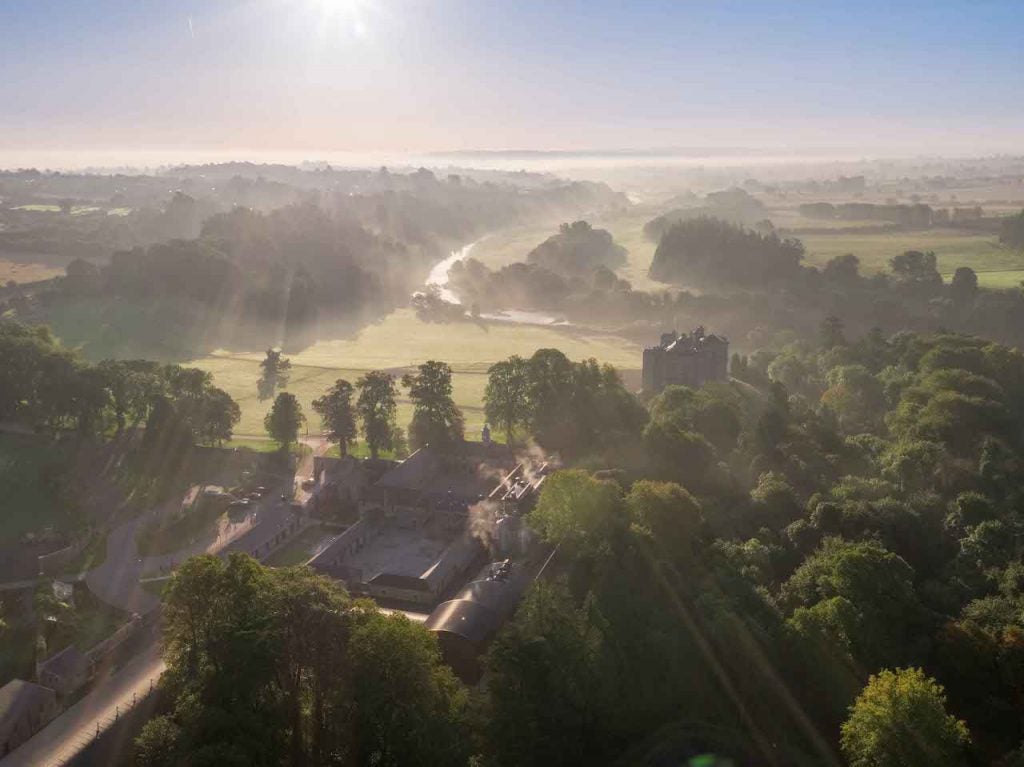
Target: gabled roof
<point>396,581</point>
<point>67,663</point>
<point>19,696</point>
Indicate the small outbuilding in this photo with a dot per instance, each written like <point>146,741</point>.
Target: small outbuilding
<point>25,708</point>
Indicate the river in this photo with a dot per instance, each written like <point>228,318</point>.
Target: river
<point>438,278</point>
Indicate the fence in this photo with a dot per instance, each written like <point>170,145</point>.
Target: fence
<point>107,738</point>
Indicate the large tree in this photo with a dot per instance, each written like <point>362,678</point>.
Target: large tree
<point>435,420</point>
<point>900,719</point>
<point>376,409</point>
<point>275,371</point>
<point>284,419</point>
<point>278,666</point>
<point>507,396</point>
<point>339,417</point>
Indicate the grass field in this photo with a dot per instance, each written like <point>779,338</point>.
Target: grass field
<point>396,344</point>
<point>998,279</point>
<point>23,273</point>
<point>301,548</point>
<point>953,248</point>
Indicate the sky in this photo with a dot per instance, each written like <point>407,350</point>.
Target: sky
<point>320,77</point>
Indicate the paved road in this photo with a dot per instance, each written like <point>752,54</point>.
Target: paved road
<point>68,733</point>
<point>116,581</point>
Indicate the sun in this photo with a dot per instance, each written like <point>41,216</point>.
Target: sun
<point>347,14</point>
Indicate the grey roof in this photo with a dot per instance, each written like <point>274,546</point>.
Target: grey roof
<point>68,662</point>
<point>500,597</point>
<point>465,474</point>
<point>18,696</point>
<point>397,581</point>
<point>468,619</point>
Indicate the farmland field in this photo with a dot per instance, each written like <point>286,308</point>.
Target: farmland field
<point>953,248</point>
<point>22,272</point>
<point>396,344</point>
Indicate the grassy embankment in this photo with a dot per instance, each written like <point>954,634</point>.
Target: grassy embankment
<point>302,547</point>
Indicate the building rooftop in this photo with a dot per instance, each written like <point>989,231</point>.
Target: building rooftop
<point>470,620</point>
<point>461,476</point>
<point>18,697</point>
<point>67,663</point>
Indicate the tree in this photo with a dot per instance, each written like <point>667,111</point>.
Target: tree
<point>964,286</point>
<point>578,510</point>
<point>217,417</point>
<point>831,332</point>
<point>376,409</point>
<point>507,396</point>
<point>878,583</point>
<point>284,419</point>
<point>335,408</point>
<point>272,666</point>
<point>1011,234</point>
<point>547,699</point>
<point>917,269</point>
<point>843,270</point>
<point>276,370</point>
<point>435,420</point>
<point>900,719</point>
<point>677,454</point>
<point>668,514</point>
<point>409,707</point>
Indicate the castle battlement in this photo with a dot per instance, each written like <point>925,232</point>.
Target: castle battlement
<point>686,360</point>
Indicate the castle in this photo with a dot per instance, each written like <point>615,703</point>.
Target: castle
<point>687,360</point>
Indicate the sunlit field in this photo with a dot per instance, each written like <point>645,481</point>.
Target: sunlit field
<point>397,344</point>
<point>22,273</point>
<point>953,248</point>
<point>998,279</point>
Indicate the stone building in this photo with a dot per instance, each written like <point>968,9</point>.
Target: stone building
<point>687,360</point>
<point>24,709</point>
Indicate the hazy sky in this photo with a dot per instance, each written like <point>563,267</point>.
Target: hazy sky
<point>358,75</point>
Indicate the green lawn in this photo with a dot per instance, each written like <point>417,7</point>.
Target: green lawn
<point>263,446</point>
<point>24,273</point>
<point>39,208</point>
<point>181,531</point>
<point>396,344</point>
<point>998,279</point>
<point>30,502</point>
<point>301,548</point>
<point>96,620</point>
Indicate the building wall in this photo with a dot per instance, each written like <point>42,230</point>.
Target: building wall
<point>32,719</point>
<point>664,368</point>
